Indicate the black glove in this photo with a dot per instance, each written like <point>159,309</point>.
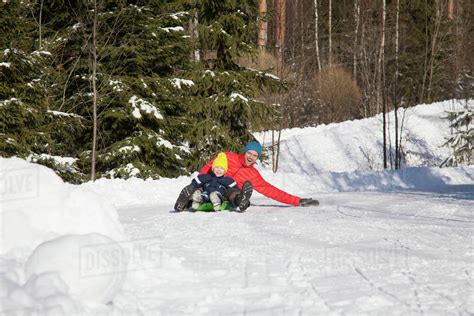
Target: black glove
<point>309,202</point>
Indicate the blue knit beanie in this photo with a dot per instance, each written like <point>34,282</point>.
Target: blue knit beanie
<point>253,146</point>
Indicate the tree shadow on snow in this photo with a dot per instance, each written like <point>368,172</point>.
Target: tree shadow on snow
<point>427,180</point>
<point>453,191</point>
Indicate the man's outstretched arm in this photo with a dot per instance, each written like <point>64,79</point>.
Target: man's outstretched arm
<point>273,192</point>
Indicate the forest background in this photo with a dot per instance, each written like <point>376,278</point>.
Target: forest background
<point>155,88</point>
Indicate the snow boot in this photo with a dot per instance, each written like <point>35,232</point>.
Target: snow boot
<point>183,198</point>
<point>215,200</point>
<point>243,199</point>
<point>197,200</point>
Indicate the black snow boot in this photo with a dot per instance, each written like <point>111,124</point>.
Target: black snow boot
<point>184,198</point>
<point>243,199</point>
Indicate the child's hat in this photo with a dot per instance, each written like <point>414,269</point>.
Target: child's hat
<point>220,161</point>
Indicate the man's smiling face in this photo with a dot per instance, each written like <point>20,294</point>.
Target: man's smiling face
<point>251,157</point>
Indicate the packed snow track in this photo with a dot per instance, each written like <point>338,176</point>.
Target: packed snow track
<point>369,252</point>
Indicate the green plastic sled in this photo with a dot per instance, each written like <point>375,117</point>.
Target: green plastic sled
<point>207,207</point>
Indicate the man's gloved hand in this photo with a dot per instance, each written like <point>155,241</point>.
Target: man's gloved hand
<point>308,202</point>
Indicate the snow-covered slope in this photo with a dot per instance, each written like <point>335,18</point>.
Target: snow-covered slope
<point>392,242</point>
<point>357,145</point>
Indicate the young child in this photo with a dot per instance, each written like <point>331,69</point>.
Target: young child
<point>212,187</point>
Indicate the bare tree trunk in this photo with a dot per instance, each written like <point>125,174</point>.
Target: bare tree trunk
<point>302,40</point>
<point>364,73</point>
<point>262,25</point>
<point>273,150</point>
<point>434,42</point>
<point>277,158</point>
<point>280,12</point>
<point>426,61</point>
<point>283,28</point>
<point>302,63</point>
<point>316,34</point>
<point>400,148</point>
<point>381,82</point>
<point>280,9</point>
<point>378,72</point>
<point>459,42</point>
<point>356,34</point>
<point>451,9</point>
<point>40,26</point>
<point>293,14</point>
<point>397,28</point>
<point>94,91</point>
<point>196,54</point>
<point>330,34</point>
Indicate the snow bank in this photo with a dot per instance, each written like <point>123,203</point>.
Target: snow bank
<point>37,205</point>
<point>92,266</point>
<point>61,227</point>
<point>419,179</point>
<point>135,191</point>
<point>357,144</point>
<point>68,275</point>
<point>138,192</point>
<point>44,294</point>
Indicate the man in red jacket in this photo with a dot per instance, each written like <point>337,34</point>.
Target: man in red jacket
<point>241,169</point>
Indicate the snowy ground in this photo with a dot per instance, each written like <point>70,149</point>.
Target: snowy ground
<point>393,242</point>
<point>386,253</point>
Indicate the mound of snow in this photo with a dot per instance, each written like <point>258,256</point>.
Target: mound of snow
<point>135,191</point>
<point>36,205</point>
<point>92,266</point>
<point>70,234</point>
<point>44,294</point>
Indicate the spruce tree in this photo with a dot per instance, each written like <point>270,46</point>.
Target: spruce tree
<point>460,122</point>
<point>227,108</point>
<point>159,113</point>
<point>461,139</point>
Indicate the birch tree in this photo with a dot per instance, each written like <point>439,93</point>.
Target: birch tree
<point>434,45</point>
<point>380,84</point>
<point>395,98</point>
<point>316,34</point>
<point>356,34</point>
<point>262,25</point>
<point>94,91</point>
<point>280,10</point>
<point>330,34</point>
<point>193,28</point>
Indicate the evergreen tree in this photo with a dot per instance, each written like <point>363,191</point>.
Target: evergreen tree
<point>28,126</point>
<point>461,139</point>
<point>226,107</point>
<point>462,136</point>
<point>159,113</point>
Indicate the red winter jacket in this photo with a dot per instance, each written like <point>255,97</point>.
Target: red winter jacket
<point>240,172</point>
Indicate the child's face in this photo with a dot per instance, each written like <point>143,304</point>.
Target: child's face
<point>218,171</point>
